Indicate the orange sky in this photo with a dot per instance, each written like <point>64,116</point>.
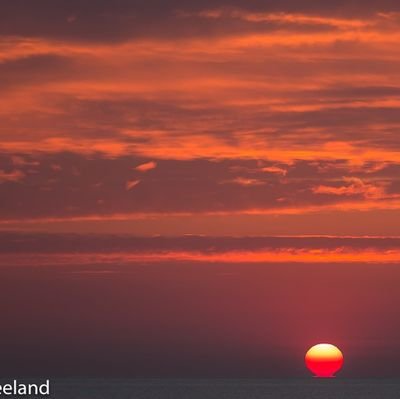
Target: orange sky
<point>289,109</point>
<point>218,176</point>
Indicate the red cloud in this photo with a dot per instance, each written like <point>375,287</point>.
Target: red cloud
<point>356,187</point>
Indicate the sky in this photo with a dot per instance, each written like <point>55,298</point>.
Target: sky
<point>199,188</point>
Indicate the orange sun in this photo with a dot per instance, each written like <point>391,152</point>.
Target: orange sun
<point>324,360</point>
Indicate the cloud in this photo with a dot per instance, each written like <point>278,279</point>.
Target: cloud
<point>19,161</point>
<point>13,176</point>
<point>75,186</point>
<point>279,17</point>
<point>304,92</point>
<point>29,242</point>
<point>234,257</point>
<point>144,167</point>
<point>130,184</point>
<point>106,22</point>
<point>275,169</point>
<point>46,249</point>
<point>356,187</point>
<point>242,181</point>
<point>268,107</point>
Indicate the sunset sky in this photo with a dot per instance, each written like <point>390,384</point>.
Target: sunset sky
<point>199,188</point>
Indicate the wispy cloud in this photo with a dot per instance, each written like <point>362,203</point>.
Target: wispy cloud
<point>214,108</point>
<point>13,176</point>
<point>130,184</point>
<point>356,186</point>
<point>144,167</point>
<point>282,18</point>
<point>43,249</point>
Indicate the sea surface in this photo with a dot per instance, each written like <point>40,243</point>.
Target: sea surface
<point>226,389</point>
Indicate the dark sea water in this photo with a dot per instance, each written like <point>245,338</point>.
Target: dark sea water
<point>226,389</point>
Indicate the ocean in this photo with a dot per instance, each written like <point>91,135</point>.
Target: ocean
<point>226,389</point>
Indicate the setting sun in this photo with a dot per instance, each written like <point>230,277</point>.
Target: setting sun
<point>324,360</point>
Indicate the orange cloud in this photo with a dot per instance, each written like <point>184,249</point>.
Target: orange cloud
<point>242,181</point>
<point>356,187</point>
<point>130,184</point>
<point>279,87</point>
<point>282,17</point>
<point>14,176</point>
<point>275,169</point>
<point>279,256</point>
<point>144,167</point>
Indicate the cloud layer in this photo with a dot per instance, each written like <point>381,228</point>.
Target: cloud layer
<point>198,107</point>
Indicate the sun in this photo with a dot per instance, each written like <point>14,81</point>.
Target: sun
<point>324,360</point>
